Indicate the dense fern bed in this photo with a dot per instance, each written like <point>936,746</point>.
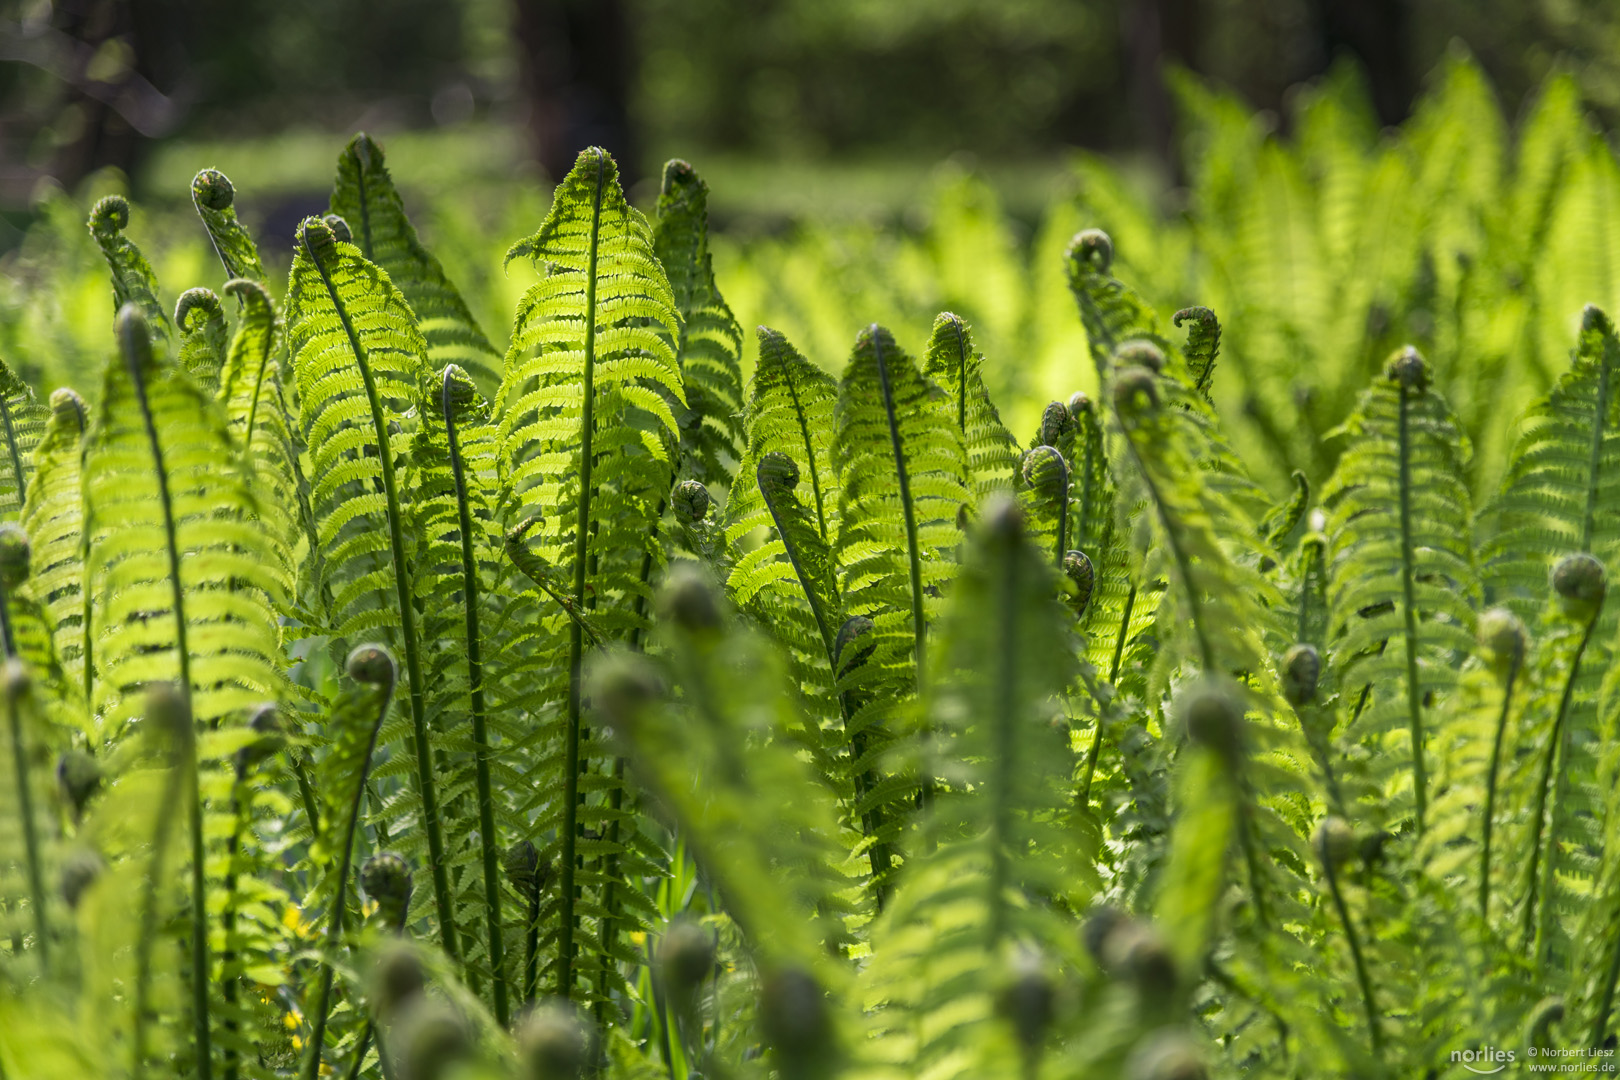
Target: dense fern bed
<point>379,705</point>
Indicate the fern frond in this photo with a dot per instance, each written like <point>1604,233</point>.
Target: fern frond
<point>360,361</point>
<point>256,414</point>
<point>585,420</point>
<point>902,484</point>
<point>1561,489</point>
<point>181,576</point>
<point>22,423</point>
<point>54,518</point>
<point>364,196</point>
<point>133,281</point>
<point>213,196</point>
<point>998,847</point>
<point>1402,582</point>
<point>201,321</point>
<point>956,366</point>
<point>710,347</point>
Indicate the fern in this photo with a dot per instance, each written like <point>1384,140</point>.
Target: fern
<point>953,363</point>
<point>133,281</point>
<point>585,419</point>
<point>213,195</point>
<point>363,195</point>
<point>1563,478</point>
<point>359,360</point>
<point>960,910</point>
<point>710,346</point>
<point>201,321</point>
<point>54,518</point>
<point>902,483</point>
<point>1402,581</point>
<point>352,734</point>
<point>22,422</point>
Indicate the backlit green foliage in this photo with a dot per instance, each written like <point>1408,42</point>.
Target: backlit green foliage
<point>1243,705</point>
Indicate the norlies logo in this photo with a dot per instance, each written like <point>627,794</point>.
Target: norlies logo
<point>1485,1060</point>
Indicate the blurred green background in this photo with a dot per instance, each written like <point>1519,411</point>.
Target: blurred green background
<point>824,106</point>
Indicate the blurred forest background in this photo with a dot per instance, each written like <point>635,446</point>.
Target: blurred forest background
<point>801,105</point>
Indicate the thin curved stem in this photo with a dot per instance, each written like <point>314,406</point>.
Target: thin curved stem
<point>480,727</point>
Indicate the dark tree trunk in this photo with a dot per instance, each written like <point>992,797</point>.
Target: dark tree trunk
<point>1375,32</point>
<point>1160,33</point>
<point>576,70</point>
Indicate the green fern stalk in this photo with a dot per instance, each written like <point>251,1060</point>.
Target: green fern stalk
<point>1326,845</point>
<point>475,677</point>
<point>137,349</point>
<point>373,666</point>
<point>1489,813</point>
<point>15,686</point>
<point>1414,689</point>
<point>316,235</point>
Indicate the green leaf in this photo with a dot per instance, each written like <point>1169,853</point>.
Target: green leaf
<point>364,195</point>
<point>710,346</point>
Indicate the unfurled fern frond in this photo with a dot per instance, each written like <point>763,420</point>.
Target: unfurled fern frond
<point>956,366</point>
<point>790,415</point>
<point>360,362</point>
<point>364,196</point>
<point>213,196</point>
<point>22,423</point>
<point>902,478</point>
<point>255,411</point>
<point>1561,490</point>
<point>998,849</point>
<point>1402,582</point>
<point>133,281</point>
<point>586,422</point>
<point>54,518</point>
<point>201,321</point>
<point>178,570</point>
<point>710,347</point>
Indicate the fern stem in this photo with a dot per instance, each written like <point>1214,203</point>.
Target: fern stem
<point>1414,689</point>
<point>1540,867</point>
<point>340,907</point>
<point>407,624</point>
<point>809,458</point>
<point>1363,980</point>
<point>480,731</point>
<point>961,374</point>
<point>1594,469</point>
<point>227,920</point>
<point>1490,791</point>
<point>25,803</point>
<point>137,350</point>
<point>913,555</point>
<point>568,835</point>
<point>148,932</point>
